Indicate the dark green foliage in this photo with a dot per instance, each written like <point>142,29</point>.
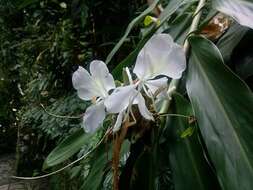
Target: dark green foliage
<point>226,134</point>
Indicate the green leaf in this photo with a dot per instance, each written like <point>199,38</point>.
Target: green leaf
<point>67,148</point>
<point>24,3</point>
<point>187,132</point>
<point>117,71</point>
<point>100,163</point>
<point>223,106</point>
<point>179,27</point>
<point>171,8</point>
<point>230,40</point>
<point>99,160</point>
<point>129,28</point>
<point>190,170</point>
<point>240,10</point>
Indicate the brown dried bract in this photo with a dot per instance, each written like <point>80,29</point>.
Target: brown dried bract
<point>216,27</point>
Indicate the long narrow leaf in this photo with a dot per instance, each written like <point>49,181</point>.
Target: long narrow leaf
<point>67,148</point>
<point>129,28</point>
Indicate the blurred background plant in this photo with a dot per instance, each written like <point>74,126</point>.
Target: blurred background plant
<point>42,44</point>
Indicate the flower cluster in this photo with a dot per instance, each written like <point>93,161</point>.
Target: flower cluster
<point>159,59</point>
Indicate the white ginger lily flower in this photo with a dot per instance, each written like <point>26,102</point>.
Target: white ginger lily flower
<point>93,86</point>
<point>159,56</point>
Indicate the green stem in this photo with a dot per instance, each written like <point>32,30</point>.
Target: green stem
<point>194,26</point>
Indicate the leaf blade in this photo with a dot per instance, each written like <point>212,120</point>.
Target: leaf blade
<point>187,152</point>
<point>67,148</point>
<point>211,87</point>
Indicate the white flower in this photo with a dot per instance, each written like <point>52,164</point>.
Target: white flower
<point>121,100</point>
<point>93,86</point>
<point>159,56</point>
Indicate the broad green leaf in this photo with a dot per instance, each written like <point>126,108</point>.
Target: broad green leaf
<point>230,40</point>
<point>240,10</point>
<point>67,148</point>
<point>223,106</point>
<point>190,170</point>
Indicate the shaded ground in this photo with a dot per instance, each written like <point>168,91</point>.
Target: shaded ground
<point>7,169</point>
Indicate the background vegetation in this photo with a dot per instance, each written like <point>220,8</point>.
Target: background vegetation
<point>43,42</point>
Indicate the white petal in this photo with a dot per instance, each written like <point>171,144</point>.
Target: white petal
<point>176,63</point>
<point>94,117</point>
<point>156,84</point>
<point>120,98</point>
<point>143,108</point>
<point>84,84</point>
<point>240,10</point>
<point>160,56</point>
<point>119,120</point>
<point>101,75</point>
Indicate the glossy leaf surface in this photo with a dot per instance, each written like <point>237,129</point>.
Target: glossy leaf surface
<point>190,170</point>
<point>67,148</point>
<point>223,106</point>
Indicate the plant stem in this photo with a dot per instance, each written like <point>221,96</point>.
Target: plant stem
<point>194,26</point>
<point>116,154</point>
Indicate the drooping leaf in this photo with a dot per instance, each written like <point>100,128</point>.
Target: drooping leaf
<point>190,170</point>
<point>223,106</point>
<point>240,10</point>
<point>67,148</point>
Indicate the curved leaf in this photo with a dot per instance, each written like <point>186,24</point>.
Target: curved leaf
<point>67,148</point>
<point>240,10</point>
<point>190,170</point>
<point>223,105</point>
<point>129,28</point>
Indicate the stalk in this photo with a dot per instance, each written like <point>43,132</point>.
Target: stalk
<point>194,26</point>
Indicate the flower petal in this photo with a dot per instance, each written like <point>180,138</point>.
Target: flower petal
<point>143,108</point>
<point>120,99</point>
<point>156,84</point>
<point>119,120</point>
<point>94,117</point>
<point>84,84</point>
<point>101,75</point>
<point>176,64</point>
<point>160,56</point>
